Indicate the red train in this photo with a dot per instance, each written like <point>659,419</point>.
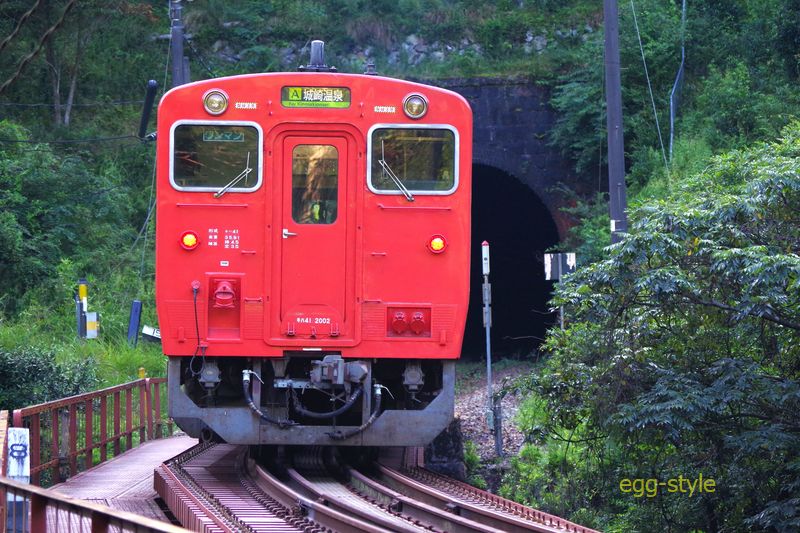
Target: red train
<point>312,256</point>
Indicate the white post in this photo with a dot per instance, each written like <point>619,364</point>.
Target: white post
<point>19,459</point>
<point>487,323</point>
<point>18,469</point>
<point>493,415</point>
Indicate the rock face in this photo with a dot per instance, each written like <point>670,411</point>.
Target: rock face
<point>409,51</point>
<point>445,454</point>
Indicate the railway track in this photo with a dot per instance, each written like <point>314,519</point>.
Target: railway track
<point>218,488</point>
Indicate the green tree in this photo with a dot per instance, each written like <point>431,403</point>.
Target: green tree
<point>53,207</point>
<point>32,375</point>
<point>683,354</point>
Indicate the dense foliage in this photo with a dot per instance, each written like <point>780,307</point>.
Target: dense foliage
<point>681,358</point>
<point>738,85</point>
<point>32,376</point>
<point>681,353</point>
<point>76,186</point>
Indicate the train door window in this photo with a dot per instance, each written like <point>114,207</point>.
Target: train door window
<point>218,157</point>
<point>315,183</point>
<point>405,159</point>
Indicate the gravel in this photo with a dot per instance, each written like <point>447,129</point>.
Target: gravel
<point>470,408</point>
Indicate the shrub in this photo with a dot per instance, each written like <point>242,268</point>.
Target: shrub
<point>32,375</point>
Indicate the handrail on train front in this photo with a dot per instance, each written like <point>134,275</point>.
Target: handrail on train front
<point>73,434</point>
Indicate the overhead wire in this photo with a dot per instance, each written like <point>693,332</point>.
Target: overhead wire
<point>649,87</point>
<point>674,94</point>
<point>87,104</point>
<point>143,230</point>
<point>70,141</point>
<point>200,58</point>
<point>151,201</point>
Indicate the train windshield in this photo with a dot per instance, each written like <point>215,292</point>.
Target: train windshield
<point>422,160</point>
<point>216,157</point>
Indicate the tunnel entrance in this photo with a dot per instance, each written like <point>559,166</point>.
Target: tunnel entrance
<point>519,228</point>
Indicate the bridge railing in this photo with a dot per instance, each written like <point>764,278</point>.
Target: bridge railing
<point>73,434</point>
<point>3,462</point>
<point>34,509</point>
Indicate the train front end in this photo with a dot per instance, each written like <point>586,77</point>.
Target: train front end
<point>312,257</point>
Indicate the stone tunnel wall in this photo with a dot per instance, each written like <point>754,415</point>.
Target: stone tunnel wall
<point>512,119</point>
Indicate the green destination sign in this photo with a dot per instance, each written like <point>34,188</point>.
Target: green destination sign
<point>223,136</point>
<point>330,97</point>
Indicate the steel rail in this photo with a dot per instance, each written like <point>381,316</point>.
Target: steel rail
<point>190,499</point>
<point>331,495</point>
<point>184,503</point>
<point>317,511</point>
<point>475,504</point>
<point>187,499</point>
<point>415,509</point>
<point>227,491</point>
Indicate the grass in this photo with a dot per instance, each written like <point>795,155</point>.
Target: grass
<point>115,361</point>
<point>472,461</point>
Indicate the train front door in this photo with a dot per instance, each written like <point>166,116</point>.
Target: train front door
<point>314,238</point>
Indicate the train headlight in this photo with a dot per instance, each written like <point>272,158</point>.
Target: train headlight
<point>189,240</point>
<point>437,244</point>
<point>415,106</point>
<point>215,101</point>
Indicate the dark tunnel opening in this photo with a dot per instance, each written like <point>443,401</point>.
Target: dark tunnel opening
<point>519,229</point>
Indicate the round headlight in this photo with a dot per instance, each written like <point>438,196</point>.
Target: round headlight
<point>215,101</point>
<point>415,105</point>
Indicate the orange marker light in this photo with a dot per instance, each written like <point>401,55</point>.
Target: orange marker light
<point>437,244</point>
<point>189,240</point>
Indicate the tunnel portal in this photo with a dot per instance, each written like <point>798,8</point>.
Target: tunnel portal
<point>519,228</point>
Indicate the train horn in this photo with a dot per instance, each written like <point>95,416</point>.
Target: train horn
<point>317,63</point>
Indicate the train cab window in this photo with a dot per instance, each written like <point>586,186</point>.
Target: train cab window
<point>315,183</point>
<point>216,157</point>
<point>413,160</point>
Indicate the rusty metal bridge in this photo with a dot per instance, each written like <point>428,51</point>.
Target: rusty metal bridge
<point>93,457</point>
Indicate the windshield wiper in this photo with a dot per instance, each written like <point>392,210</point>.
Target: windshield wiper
<point>243,174</point>
<point>398,183</point>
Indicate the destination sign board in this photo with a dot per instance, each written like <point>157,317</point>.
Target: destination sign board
<point>223,136</point>
<point>326,97</point>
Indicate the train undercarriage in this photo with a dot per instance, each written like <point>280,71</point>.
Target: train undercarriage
<point>323,400</point>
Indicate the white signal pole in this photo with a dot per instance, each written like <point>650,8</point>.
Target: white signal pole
<point>494,415</point>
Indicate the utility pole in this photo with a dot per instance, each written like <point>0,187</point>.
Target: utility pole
<point>180,64</point>
<point>617,195</point>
